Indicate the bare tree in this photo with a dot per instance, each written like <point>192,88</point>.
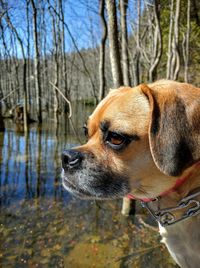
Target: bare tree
<point>28,53</point>
<point>157,43</point>
<point>173,65</point>
<point>113,43</point>
<point>55,56</point>
<point>102,50</point>
<point>10,24</point>
<point>56,52</point>
<point>186,39</point>
<point>37,63</point>
<point>137,49</point>
<point>64,67</point>
<point>149,41</point>
<point>176,55</point>
<point>125,59</point>
<point>78,52</point>
<point>169,54</point>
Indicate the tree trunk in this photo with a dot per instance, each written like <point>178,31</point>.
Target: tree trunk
<point>24,72</point>
<point>125,59</point>
<point>37,64</point>
<point>102,51</point>
<point>114,44</point>
<point>55,59</point>
<point>64,65</point>
<point>169,54</point>
<point>186,58</point>
<point>28,56</point>
<point>175,51</point>
<point>136,57</point>
<point>157,53</point>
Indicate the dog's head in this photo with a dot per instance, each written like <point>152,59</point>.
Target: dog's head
<point>139,140</point>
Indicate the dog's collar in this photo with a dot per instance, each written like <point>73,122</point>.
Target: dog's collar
<point>166,216</point>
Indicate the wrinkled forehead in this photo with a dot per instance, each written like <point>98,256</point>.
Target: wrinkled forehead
<point>123,110</point>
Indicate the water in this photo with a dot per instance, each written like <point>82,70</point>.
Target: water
<point>42,225</point>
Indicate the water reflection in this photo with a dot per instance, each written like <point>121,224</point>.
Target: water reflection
<point>41,225</point>
<point>29,165</point>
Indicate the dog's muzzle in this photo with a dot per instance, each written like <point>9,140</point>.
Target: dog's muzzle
<point>84,176</point>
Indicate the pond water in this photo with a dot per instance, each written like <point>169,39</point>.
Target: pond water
<point>42,225</point>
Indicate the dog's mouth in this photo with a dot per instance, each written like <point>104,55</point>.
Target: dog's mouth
<point>93,181</point>
<point>70,187</point>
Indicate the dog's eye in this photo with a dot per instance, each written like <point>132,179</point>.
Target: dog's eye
<point>115,140</point>
<point>118,141</point>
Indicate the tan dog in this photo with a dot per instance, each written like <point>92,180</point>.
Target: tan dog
<point>145,142</point>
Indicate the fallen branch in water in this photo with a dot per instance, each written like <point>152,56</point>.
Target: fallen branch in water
<point>68,102</point>
<point>70,111</point>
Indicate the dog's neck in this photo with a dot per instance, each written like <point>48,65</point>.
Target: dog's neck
<point>189,185</point>
<point>179,202</point>
<point>192,182</point>
<point>182,238</point>
<point>183,185</point>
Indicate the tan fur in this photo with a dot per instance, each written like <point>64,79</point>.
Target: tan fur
<point>136,111</point>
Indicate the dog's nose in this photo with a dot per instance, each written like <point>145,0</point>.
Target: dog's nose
<point>71,159</point>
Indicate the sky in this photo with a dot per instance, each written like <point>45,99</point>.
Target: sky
<point>81,16</point>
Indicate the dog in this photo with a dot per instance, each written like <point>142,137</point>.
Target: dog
<point>144,143</point>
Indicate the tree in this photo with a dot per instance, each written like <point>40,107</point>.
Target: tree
<point>175,44</point>
<point>137,49</point>
<point>28,55</point>
<point>173,62</point>
<point>125,58</point>
<point>102,50</point>
<point>186,39</point>
<point>162,40</point>
<point>64,67</point>
<point>157,42</point>
<point>24,68</point>
<point>114,44</point>
<point>37,63</point>
<point>55,55</point>
<point>169,57</point>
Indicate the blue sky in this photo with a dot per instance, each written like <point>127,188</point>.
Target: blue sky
<point>81,16</point>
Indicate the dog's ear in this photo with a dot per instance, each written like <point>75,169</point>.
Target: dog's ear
<point>174,130</point>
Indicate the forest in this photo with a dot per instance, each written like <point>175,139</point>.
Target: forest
<point>53,52</point>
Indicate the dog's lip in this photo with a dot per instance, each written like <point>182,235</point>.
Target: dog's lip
<point>81,193</point>
<point>69,186</point>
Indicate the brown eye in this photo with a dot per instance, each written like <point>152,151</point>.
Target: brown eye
<point>116,139</point>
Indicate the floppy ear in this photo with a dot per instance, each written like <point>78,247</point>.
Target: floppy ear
<point>174,130</point>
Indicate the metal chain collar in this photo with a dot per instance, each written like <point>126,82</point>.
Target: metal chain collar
<point>166,217</point>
